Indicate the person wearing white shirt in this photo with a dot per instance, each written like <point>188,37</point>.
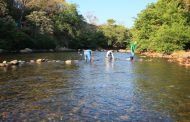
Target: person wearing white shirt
<point>109,54</point>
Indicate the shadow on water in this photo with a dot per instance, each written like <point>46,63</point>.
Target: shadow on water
<point>105,90</point>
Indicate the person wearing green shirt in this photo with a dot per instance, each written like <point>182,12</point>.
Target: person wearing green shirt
<point>132,50</point>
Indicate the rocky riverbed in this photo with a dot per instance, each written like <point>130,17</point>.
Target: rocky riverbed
<point>181,57</point>
<point>37,61</point>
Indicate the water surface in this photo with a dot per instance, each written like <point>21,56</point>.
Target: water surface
<point>120,90</point>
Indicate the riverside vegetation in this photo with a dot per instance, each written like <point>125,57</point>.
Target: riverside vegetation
<point>162,27</point>
<point>47,24</point>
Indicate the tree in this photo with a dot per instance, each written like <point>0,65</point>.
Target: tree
<point>40,22</point>
<point>161,25</point>
<point>22,6</point>
<point>3,8</point>
<point>110,21</point>
<point>67,24</point>
<point>49,6</point>
<point>117,35</point>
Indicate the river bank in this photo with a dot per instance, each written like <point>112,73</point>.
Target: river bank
<point>28,50</point>
<point>181,57</point>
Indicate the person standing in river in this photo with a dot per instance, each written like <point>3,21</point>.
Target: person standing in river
<point>109,55</point>
<point>88,55</point>
<point>132,50</point>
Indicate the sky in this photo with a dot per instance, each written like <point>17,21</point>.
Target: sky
<point>123,12</point>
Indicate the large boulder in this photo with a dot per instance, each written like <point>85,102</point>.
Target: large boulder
<point>14,62</point>
<point>40,60</point>
<point>63,49</point>
<point>51,50</point>
<point>68,62</point>
<point>26,50</point>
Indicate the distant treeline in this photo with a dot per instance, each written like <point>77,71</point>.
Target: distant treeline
<point>163,26</point>
<point>47,24</point>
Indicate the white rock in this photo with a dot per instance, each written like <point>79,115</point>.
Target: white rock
<point>2,65</point>
<point>14,62</point>
<point>26,50</point>
<point>39,60</point>
<point>32,61</point>
<point>4,62</point>
<point>68,62</point>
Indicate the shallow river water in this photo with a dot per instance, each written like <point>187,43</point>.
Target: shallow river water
<point>146,90</point>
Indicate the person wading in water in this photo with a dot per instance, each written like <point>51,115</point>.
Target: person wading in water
<point>109,55</point>
<point>132,50</point>
<point>88,55</point>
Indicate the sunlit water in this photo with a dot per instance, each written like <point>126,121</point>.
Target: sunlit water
<point>120,90</point>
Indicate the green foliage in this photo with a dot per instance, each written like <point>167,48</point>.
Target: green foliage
<point>168,39</point>
<point>117,36</point>
<point>7,28</point>
<point>163,27</point>
<point>45,24</point>
<point>3,8</point>
<point>67,24</point>
<point>44,42</point>
<point>110,21</point>
<point>40,22</point>
<point>92,39</point>
<point>21,41</point>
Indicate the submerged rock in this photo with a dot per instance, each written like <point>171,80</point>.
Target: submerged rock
<point>2,65</point>
<point>21,62</point>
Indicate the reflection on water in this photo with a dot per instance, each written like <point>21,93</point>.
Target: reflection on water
<point>116,90</point>
<point>109,64</point>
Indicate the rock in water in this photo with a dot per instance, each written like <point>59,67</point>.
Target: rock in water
<point>32,61</point>
<point>68,62</point>
<point>4,62</point>
<point>2,65</point>
<point>14,62</point>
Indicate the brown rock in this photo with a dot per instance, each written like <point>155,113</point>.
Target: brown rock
<point>2,65</point>
<point>14,62</point>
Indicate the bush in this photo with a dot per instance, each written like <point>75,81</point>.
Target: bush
<point>22,40</point>
<point>4,44</point>
<point>44,42</point>
<point>169,39</point>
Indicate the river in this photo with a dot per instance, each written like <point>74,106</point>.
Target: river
<point>120,90</point>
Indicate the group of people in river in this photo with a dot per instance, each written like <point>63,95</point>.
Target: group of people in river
<point>109,55</point>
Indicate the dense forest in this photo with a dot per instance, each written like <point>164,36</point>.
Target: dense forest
<point>163,26</point>
<point>47,24</point>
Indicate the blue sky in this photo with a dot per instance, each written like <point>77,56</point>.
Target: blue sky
<point>123,11</point>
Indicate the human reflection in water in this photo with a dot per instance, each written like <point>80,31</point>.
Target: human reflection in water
<point>109,63</point>
<point>4,69</point>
